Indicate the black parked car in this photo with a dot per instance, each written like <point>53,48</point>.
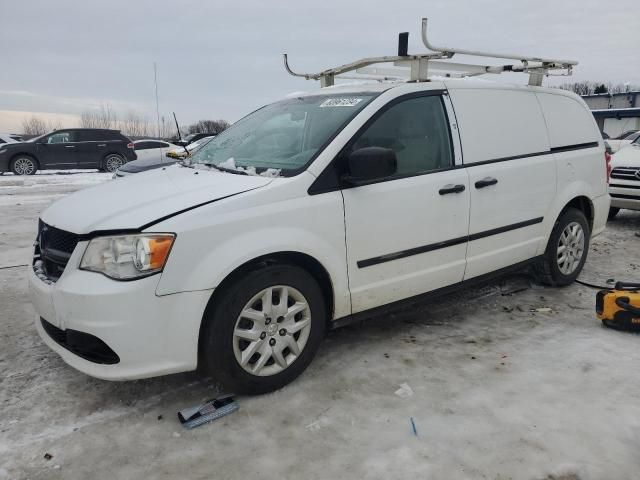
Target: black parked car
<point>106,150</point>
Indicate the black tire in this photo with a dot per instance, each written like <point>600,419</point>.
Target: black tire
<point>613,211</point>
<point>112,162</point>
<point>217,356</point>
<point>24,165</point>
<point>547,269</point>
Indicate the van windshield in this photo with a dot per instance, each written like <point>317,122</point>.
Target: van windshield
<point>283,137</point>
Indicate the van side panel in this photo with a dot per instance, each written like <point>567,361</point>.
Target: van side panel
<point>504,139</point>
<point>498,123</point>
<point>579,153</point>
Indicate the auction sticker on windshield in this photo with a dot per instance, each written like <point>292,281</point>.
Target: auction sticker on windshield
<point>341,102</point>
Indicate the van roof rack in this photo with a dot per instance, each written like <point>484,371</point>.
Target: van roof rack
<point>416,68</point>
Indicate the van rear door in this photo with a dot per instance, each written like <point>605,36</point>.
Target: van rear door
<point>512,175</point>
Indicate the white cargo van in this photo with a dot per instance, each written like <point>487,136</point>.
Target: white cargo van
<point>309,213</point>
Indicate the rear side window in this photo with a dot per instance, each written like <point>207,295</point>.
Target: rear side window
<point>110,135</point>
<point>88,136</point>
<point>497,124</point>
<point>149,144</point>
<point>569,122</point>
<point>416,130</point>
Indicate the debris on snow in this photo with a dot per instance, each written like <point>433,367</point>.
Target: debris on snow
<point>48,456</point>
<point>413,426</point>
<point>405,391</point>
<point>210,410</point>
<point>542,310</point>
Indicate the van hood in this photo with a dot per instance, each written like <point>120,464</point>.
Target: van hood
<point>135,201</point>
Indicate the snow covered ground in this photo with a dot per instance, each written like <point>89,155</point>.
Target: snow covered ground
<point>510,380</point>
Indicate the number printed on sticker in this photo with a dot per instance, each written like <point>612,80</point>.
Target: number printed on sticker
<point>341,102</point>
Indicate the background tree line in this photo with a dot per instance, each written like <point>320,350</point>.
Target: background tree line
<point>132,124</point>
<point>589,87</point>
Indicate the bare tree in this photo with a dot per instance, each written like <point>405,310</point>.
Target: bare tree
<point>34,126</point>
<point>214,127</point>
<point>135,125</point>
<point>103,117</point>
<point>53,125</point>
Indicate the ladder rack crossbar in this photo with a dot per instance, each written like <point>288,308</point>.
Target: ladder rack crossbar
<point>420,65</point>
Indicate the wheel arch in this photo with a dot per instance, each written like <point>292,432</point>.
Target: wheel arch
<point>302,260</point>
<point>585,205</point>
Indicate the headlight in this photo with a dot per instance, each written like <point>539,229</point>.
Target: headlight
<point>128,257</point>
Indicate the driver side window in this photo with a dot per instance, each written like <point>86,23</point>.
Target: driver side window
<point>60,137</point>
<point>417,131</point>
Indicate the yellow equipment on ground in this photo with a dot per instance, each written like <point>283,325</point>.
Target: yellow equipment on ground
<point>620,308</point>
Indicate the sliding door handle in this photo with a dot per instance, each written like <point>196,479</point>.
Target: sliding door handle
<point>486,182</point>
<point>450,188</point>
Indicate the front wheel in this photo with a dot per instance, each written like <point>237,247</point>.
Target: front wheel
<point>567,249</point>
<point>264,329</point>
<point>24,165</point>
<point>113,162</point>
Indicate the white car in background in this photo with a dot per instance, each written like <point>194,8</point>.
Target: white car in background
<point>9,138</point>
<point>624,187</point>
<point>152,149</point>
<point>619,143</point>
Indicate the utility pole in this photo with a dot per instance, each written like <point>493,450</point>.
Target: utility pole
<point>155,76</point>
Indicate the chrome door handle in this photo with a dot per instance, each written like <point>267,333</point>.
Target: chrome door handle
<point>102,145</point>
<point>69,146</point>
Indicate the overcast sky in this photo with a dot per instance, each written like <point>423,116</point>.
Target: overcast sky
<point>222,59</point>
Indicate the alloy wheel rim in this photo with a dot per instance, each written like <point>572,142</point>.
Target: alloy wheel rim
<point>24,166</point>
<point>113,163</point>
<point>272,330</point>
<point>570,248</point>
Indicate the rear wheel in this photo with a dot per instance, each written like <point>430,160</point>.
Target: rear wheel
<point>567,249</point>
<point>112,162</point>
<point>24,165</point>
<point>264,330</point>
<point>613,211</point>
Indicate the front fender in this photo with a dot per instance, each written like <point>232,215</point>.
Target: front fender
<point>203,257</point>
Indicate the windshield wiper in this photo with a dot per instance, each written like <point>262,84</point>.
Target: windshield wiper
<point>224,169</point>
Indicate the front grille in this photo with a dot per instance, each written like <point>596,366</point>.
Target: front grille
<point>626,173</point>
<point>53,250</point>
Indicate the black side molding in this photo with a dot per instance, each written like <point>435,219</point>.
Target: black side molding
<point>412,251</point>
<point>445,244</point>
<point>576,146</point>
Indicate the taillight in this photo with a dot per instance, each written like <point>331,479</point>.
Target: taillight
<point>130,145</point>
<point>607,161</point>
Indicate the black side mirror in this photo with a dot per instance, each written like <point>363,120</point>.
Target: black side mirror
<point>366,165</point>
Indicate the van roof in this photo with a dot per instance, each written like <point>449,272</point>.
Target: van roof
<point>435,84</point>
